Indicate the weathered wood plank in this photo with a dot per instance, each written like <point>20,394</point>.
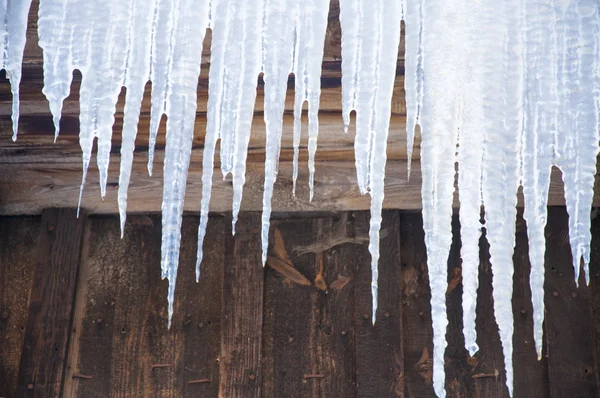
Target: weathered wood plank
<point>242,311</point>
<point>199,305</point>
<point>490,359</point>
<point>531,375</point>
<point>417,333</point>
<point>125,346</point>
<point>379,348</point>
<point>36,139</point>
<point>308,332</point>
<point>458,365</point>
<point>568,331</point>
<point>595,290</point>
<point>28,188</point>
<point>45,347</point>
<point>18,239</point>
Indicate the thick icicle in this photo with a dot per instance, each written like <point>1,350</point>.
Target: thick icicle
<point>471,121</point>
<point>540,106</point>
<point>190,20</point>
<point>278,48</point>
<point>371,36</point>
<point>311,24</point>
<point>578,74</point>
<point>501,72</point>
<point>13,17</point>
<point>235,65</point>
<point>439,128</point>
<point>139,38</point>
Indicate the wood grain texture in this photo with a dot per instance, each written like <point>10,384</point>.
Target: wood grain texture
<point>240,369</point>
<point>18,239</point>
<point>308,333</point>
<point>51,304</point>
<point>417,333</point>
<point>531,375</point>
<point>379,348</point>
<point>458,366</point>
<point>125,345</point>
<point>568,331</point>
<point>490,359</point>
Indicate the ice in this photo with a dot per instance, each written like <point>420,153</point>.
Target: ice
<point>577,46</point>
<point>538,142</point>
<point>413,69</point>
<point>137,74</point>
<point>311,24</point>
<point>235,66</point>
<point>279,35</point>
<point>13,17</point>
<point>371,36</point>
<point>190,20</point>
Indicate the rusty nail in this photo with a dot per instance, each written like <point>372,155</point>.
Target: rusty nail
<point>555,294</point>
<point>30,386</point>
<point>252,376</point>
<point>80,376</point>
<point>199,381</point>
<point>344,332</point>
<point>387,314</point>
<point>50,228</point>
<point>187,322</point>
<point>573,294</point>
<point>200,325</point>
<point>366,316</point>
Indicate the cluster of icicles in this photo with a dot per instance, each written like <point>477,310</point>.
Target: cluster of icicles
<point>507,89</point>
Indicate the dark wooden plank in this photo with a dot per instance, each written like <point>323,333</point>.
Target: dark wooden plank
<point>199,305</point>
<point>595,289</point>
<point>125,346</point>
<point>489,360</point>
<point>45,347</point>
<point>308,334</point>
<point>242,311</point>
<point>568,331</point>
<point>379,348</point>
<point>417,333</point>
<point>531,375</point>
<point>18,239</point>
<point>458,366</point>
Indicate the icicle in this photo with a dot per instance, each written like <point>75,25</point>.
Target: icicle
<point>311,24</point>
<point>413,70</point>
<point>163,34</point>
<point>277,52</point>
<point>235,65</point>
<point>439,127</point>
<point>139,38</point>
<point>13,16</point>
<point>502,101</point>
<point>578,124</point>
<point>190,20</point>
<point>540,104</point>
<point>368,91</point>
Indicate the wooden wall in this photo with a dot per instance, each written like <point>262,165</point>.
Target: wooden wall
<point>83,313</point>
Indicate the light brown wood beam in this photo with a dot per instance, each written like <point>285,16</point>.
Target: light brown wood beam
<point>28,188</point>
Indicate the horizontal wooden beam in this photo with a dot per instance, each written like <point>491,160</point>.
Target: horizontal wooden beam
<point>28,188</point>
